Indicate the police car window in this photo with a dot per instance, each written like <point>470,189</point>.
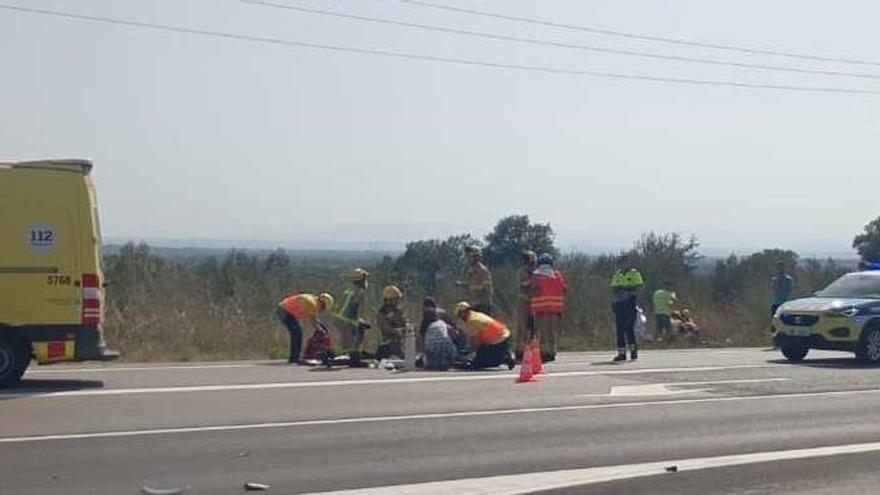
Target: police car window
<point>857,286</point>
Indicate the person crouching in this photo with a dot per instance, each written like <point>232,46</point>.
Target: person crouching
<point>490,339</point>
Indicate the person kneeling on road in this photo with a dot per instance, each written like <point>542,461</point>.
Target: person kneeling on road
<point>490,339</point>
<point>298,310</point>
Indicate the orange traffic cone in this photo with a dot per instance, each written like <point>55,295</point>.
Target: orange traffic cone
<point>536,364</point>
<point>525,368</point>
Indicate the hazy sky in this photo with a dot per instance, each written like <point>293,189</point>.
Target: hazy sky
<point>200,137</point>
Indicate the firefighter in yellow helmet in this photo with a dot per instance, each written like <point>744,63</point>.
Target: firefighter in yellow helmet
<point>479,281</point>
<point>525,324</point>
<point>392,323</point>
<point>490,338</point>
<point>298,311</point>
<point>349,311</point>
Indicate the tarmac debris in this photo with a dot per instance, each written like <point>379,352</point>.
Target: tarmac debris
<point>256,487</point>
<point>147,490</point>
<point>672,469</point>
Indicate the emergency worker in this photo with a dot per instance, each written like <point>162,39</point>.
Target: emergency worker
<point>392,324</point>
<point>349,311</point>
<point>548,305</point>
<point>625,286</point>
<point>479,281</point>
<point>298,311</point>
<point>490,339</point>
<point>525,325</point>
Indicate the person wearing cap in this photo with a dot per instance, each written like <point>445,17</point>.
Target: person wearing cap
<point>548,305</point>
<point>392,324</point>
<point>301,310</point>
<point>490,339</point>
<point>525,325</point>
<point>625,285</point>
<point>479,281</point>
<point>348,314</point>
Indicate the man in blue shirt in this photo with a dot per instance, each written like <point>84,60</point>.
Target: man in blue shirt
<point>781,285</point>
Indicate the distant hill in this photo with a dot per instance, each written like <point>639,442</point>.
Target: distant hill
<point>198,253</point>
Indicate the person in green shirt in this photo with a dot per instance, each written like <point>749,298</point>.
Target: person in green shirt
<point>664,300</point>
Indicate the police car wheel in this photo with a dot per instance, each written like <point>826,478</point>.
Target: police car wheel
<point>869,345</point>
<point>795,352</point>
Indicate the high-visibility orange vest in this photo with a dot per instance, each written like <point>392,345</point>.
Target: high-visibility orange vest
<point>549,298</point>
<point>300,305</point>
<point>487,330</point>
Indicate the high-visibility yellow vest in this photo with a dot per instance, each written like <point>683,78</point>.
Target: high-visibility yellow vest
<point>300,305</point>
<point>486,329</point>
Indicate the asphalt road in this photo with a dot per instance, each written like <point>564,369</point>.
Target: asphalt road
<point>731,421</point>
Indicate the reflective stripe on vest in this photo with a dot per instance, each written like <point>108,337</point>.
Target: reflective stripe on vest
<point>300,305</point>
<point>550,296</point>
<point>343,310</point>
<point>491,331</point>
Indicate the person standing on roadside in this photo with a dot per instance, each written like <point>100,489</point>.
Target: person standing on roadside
<point>664,299</point>
<point>625,286</point>
<point>348,313</point>
<point>781,287</point>
<point>548,305</point>
<point>525,325</point>
<point>479,281</point>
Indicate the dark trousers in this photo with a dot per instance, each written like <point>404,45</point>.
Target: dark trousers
<point>295,331</point>
<point>490,356</point>
<point>625,318</point>
<point>662,325</point>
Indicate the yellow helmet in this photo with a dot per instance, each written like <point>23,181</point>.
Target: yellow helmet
<point>359,274</point>
<point>462,307</point>
<point>473,252</point>
<point>391,293</point>
<point>327,300</point>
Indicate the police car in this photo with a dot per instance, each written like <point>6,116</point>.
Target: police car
<point>845,316</point>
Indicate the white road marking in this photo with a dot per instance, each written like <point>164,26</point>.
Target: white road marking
<point>113,369</point>
<point>427,416</point>
<point>452,377</point>
<point>661,389</point>
<point>518,484</point>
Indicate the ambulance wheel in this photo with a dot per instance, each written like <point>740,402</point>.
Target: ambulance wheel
<point>14,360</point>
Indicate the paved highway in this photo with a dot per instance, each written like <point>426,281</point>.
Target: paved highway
<point>727,420</point>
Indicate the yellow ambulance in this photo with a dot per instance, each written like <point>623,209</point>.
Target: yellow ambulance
<point>51,282</point>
